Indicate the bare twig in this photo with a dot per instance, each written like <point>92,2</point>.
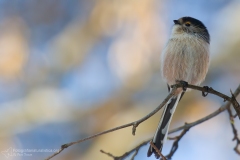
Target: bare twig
<point>112,156</point>
<point>212,91</point>
<point>215,113</point>
<point>135,150</point>
<point>235,134</point>
<point>157,150</point>
<point>135,153</point>
<point>136,123</point>
<point>175,143</point>
<point>187,126</point>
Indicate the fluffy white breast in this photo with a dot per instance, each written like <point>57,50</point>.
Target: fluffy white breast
<point>185,57</point>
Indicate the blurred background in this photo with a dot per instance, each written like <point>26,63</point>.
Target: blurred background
<point>70,69</point>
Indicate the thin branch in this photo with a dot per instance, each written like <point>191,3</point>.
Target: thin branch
<point>206,89</point>
<point>135,153</point>
<point>187,126</point>
<point>135,150</point>
<point>110,155</point>
<point>175,143</point>
<point>220,110</point>
<point>235,134</point>
<point>136,123</point>
<point>157,150</point>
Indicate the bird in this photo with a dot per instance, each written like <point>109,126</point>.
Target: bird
<point>184,58</point>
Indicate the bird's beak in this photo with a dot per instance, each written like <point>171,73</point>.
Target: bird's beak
<point>176,22</point>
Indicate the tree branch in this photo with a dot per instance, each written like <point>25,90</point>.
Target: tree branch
<point>206,89</point>
<point>186,126</point>
<point>220,110</point>
<point>157,150</point>
<point>135,149</point>
<point>175,143</point>
<point>134,124</point>
<point>235,134</point>
<point>189,125</point>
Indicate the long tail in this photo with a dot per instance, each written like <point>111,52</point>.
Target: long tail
<point>163,126</point>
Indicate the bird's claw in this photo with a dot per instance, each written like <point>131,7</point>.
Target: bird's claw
<point>204,94</point>
<point>184,85</point>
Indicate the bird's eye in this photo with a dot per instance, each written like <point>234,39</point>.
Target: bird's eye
<point>187,24</point>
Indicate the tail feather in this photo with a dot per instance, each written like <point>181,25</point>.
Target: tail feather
<point>162,130</point>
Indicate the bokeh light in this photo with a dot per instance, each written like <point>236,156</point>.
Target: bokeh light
<point>70,69</point>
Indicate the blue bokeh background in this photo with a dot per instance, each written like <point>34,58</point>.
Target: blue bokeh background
<point>70,69</point>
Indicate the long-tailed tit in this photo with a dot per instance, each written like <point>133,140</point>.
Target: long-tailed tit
<point>185,58</point>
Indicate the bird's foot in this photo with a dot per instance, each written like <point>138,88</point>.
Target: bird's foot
<point>204,94</point>
<point>184,85</point>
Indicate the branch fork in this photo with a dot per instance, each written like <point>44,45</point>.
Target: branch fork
<point>205,90</point>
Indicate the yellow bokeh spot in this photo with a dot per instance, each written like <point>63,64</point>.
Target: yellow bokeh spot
<point>13,48</point>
